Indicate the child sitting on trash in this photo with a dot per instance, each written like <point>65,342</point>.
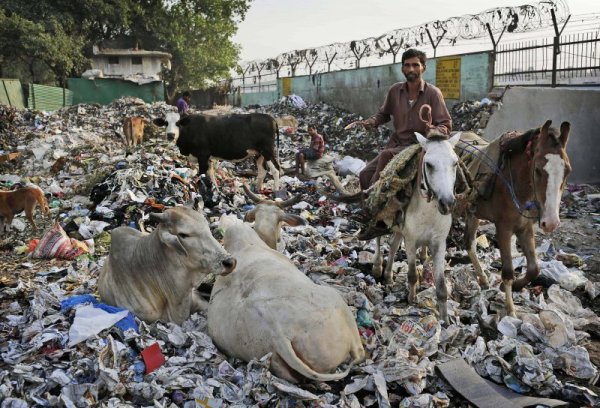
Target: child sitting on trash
<point>313,152</point>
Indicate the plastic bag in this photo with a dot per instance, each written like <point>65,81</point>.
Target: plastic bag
<point>56,244</point>
<point>349,165</point>
<point>566,278</point>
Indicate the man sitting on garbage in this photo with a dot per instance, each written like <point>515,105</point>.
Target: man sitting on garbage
<point>183,103</point>
<point>403,103</point>
<point>313,152</point>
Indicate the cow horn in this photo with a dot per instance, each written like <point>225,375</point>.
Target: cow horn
<point>289,202</point>
<point>251,195</point>
<point>342,198</point>
<point>157,217</point>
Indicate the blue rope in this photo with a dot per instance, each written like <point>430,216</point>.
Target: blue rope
<point>490,163</point>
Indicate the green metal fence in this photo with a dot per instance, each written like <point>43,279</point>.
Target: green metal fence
<point>11,93</point>
<point>105,90</point>
<point>48,98</point>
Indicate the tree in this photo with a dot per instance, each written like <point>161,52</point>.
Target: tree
<point>198,34</point>
<point>58,35</point>
<point>32,44</point>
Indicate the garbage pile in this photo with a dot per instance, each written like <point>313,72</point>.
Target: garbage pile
<point>60,346</point>
<point>330,122</point>
<point>473,115</point>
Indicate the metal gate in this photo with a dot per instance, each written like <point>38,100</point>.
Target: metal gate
<point>572,60</point>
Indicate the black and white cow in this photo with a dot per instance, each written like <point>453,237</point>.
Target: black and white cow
<point>232,137</point>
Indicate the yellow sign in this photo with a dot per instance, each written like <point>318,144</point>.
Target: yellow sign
<point>447,77</point>
<point>286,86</point>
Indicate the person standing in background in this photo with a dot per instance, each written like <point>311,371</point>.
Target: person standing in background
<point>183,103</point>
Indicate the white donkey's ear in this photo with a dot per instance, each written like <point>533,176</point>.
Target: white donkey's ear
<point>422,140</point>
<point>454,139</point>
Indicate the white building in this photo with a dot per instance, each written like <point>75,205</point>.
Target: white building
<point>135,65</point>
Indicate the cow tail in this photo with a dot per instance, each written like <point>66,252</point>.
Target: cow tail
<point>285,350</point>
<point>276,126</point>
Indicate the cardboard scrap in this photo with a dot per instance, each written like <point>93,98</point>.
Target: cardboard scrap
<point>484,393</point>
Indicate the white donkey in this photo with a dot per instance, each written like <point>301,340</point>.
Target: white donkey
<point>428,217</point>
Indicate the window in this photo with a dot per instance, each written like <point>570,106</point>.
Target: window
<point>113,60</point>
<point>136,60</point>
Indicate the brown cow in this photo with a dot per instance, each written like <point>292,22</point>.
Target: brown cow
<point>133,129</point>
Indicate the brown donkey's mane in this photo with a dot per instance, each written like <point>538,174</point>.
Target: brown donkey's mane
<point>519,143</point>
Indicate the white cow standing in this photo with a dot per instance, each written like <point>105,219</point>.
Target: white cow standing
<point>269,306</point>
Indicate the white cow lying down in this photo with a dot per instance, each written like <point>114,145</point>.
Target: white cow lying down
<point>268,305</point>
<point>155,275</point>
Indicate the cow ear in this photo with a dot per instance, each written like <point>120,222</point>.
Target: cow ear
<point>157,217</point>
<point>172,241</point>
<point>159,122</point>
<point>293,220</point>
<point>250,216</point>
<point>183,121</point>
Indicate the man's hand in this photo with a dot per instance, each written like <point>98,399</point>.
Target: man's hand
<point>363,123</point>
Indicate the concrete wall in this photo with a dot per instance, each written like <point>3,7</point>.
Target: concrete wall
<point>527,108</point>
<point>475,77</point>
<point>151,65</point>
<point>363,90</point>
<point>255,98</point>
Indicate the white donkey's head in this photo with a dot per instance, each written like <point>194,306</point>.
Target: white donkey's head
<point>439,169</point>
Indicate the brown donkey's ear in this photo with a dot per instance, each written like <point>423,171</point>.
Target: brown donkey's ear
<point>546,126</point>
<point>565,129</point>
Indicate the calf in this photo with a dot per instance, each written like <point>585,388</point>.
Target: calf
<point>133,129</point>
<point>231,137</point>
<point>155,275</point>
<point>269,306</point>
<point>268,216</point>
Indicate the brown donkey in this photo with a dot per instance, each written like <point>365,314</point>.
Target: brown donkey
<point>528,188</point>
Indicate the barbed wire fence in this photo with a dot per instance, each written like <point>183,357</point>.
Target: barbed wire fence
<point>261,75</point>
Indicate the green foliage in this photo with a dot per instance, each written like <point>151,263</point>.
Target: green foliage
<point>53,39</point>
<point>198,35</point>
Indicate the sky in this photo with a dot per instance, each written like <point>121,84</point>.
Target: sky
<point>272,27</point>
